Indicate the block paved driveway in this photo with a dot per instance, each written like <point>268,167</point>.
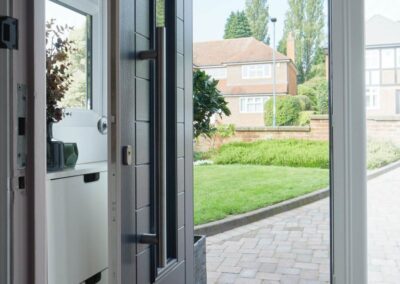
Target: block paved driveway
<point>293,247</point>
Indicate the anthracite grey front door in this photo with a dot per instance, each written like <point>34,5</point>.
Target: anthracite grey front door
<point>155,105</point>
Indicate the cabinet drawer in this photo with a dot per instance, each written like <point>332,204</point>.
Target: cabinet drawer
<point>77,230</point>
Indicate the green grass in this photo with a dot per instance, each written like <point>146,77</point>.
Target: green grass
<point>223,190</point>
<point>289,152</point>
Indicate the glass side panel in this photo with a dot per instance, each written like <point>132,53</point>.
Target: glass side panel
<point>69,48</point>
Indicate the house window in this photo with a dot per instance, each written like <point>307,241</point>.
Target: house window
<point>373,77</point>
<point>372,98</point>
<point>398,57</point>
<point>252,104</point>
<point>388,59</point>
<point>372,59</point>
<point>256,71</point>
<point>217,73</point>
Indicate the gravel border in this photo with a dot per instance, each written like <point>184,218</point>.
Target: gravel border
<point>235,221</point>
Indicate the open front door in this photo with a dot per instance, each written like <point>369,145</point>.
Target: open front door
<point>151,237</point>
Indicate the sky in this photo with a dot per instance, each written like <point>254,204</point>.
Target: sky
<point>210,15</point>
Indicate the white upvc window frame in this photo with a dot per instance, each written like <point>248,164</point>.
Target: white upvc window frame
<point>348,142</point>
<point>217,73</point>
<point>373,95</point>
<point>256,71</point>
<point>257,101</point>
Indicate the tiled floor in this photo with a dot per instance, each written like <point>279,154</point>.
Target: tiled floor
<point>293,247</point>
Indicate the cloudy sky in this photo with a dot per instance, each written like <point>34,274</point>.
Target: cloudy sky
<point>210,15</point>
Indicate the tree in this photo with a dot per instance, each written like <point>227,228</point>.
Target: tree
<point>237,26</point>
<point>257,12</point>
<point>305,19</point>
<point>207,102</point>
<point>160,13</point>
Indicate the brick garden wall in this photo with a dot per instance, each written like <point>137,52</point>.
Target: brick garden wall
<point>384,128</point>
<point>318,130</point>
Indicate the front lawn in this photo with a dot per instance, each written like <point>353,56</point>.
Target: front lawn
<point>223,190</point>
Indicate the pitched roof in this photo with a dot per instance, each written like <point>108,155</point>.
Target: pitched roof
<point>382,31</point>
<point>240,50</point>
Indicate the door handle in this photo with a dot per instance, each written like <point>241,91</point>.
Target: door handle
<point>159,55</point>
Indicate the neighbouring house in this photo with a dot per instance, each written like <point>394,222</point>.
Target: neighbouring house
<point>382,73</point>
<point>244,68</point>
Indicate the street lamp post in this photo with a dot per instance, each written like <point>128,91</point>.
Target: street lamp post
<point>273,20</point>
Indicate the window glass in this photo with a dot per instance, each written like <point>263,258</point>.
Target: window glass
<point>375,77</point>
<point>75,28</point>
<point>372,99</point>
<point>256,71</point>
<point>367,78</point>
<point>372,59</point>
<point>252,104</point>
<point>217,73</point>
<point>398,57</point>
<point>388,60</point>
<point>388,77</point>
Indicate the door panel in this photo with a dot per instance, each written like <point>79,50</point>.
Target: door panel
<point>135,115</point>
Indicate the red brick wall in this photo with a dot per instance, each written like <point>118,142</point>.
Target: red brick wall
<point>318,130</point>
<point>386,128</point>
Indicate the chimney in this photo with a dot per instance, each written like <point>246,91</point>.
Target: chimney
<point>290,47</point>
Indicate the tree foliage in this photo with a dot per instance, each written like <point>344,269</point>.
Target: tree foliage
<point>160,13</point>
<point>305,19</point>
<point>237,26</point>
<point>257,12</point>
<point>207,102</point>
<point>317,90</point>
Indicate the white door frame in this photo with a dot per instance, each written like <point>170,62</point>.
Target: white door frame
<point>348,140</point>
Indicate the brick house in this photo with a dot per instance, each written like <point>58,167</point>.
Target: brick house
<point>382,66</point>
<point>244,68</point>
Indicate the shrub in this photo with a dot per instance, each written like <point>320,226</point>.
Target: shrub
<point>381,153</point>
<point>316,90</point>
<point>287,111</point>
<point>305,102</point>
<point>305,118</point>
<point>207,102</point>
<point>309,92</point>
<point>290,152</point>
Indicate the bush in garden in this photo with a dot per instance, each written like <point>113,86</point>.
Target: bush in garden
<point>381,153</point>
<point>316,89</point>
<point>287,111</point>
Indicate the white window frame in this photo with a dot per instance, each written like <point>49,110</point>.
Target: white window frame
<point>244,103</point>
<point>217,73</point>
<point>373,59</point>
<point>386,62</point>
<point>370,93</point>
<point>256,71</point>
<point>348,142</point>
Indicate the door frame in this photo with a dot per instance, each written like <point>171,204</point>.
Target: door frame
<point>5,78</point>
<point>348,142</point>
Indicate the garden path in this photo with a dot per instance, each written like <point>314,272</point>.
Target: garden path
<point>293,247</point>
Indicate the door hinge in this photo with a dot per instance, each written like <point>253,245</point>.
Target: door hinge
<point>8,33</point>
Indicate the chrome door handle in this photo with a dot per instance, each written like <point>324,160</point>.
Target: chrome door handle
<point>159,56</point>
